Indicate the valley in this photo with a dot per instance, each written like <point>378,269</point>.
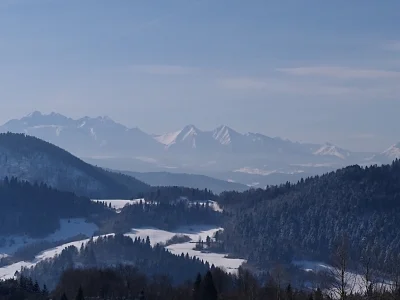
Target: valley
<point>199,150</point>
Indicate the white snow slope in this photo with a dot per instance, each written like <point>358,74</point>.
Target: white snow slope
<point>119,204</point>
<point>156,236</point>
<point>355,282</point>
<point>116,204</point>
<point>68,229</point>
<point>332,150</point>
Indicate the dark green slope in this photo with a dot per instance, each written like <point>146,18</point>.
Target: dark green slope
<point>308,219</point>
<point>29,158</point>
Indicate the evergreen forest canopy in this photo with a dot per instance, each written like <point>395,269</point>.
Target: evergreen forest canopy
<point>128,282</point>
<point>167,216</point>
<point>114,250</point>
<point>36,209</point>
<point>307,220</point>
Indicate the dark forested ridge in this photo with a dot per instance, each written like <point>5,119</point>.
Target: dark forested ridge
<point>35,210</point>
<point>115,250</point>
<point>167,216</point>
<point>306,220</point>
<point>129,282</point>
<point>29,158</point>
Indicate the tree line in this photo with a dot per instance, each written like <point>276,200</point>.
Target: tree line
<point>128,282</point>
<point>162,215</point>
<point>114,250</point>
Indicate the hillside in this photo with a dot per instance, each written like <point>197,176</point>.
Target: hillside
<point>307,220</point>
<point>36,210</point>
<point>31,159</point>
<point>187,180</point>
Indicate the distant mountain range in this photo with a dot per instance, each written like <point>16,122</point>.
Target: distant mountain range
<point>187,180</point>
<point>223,150</point>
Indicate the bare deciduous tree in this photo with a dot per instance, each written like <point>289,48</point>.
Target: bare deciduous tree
<point>342,281</point>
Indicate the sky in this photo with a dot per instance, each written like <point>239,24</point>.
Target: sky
<point>311,70</point>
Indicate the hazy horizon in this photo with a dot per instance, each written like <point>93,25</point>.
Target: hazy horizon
<point>311,71</point>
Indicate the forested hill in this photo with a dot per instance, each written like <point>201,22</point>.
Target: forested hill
<point>29,158</point>
<point>305,220</point>
<point>36,210</point>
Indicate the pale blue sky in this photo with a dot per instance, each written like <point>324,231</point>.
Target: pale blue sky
<point>304,70</point>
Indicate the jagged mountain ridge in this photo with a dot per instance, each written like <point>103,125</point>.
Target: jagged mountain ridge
<point>189,149</point>
<point>85,136</point>
<point>103,132</point>
<point>390,154</point>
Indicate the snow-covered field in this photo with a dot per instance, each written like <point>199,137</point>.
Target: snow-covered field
<point>119,204</point>
<point>116,204</point>
<point>194,232</point>
<point>156,236</point>
<point>68,229</point>
<point>355,282</point>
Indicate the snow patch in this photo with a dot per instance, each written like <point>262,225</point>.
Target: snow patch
<point>156,236</point>
<point>392,152</point>
<point>255,171</point>
<point>168,138</point>
<point>117,204</point>
<point>93,133</point>
<point>221,134</point>
<point>355,281</point>
<point>194,232</point>
<point>331,150</point>
<point>68,229</point>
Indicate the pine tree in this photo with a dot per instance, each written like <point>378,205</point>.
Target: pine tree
<point>141,296</point>
<point>64,297</point>
<point>45,291</point>
<point>197,287</point>
<point>208,241</point>
<point>36,287</point>
<point>318,294</point>
<point>80,296</point>
<point>209,290</point>
<point>289,292</point>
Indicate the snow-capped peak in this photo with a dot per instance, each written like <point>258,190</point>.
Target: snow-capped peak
<point>186,135</point>
<point>189,131</point>
<point>222,134</point>
<point>329,149</point>
<point>34,114</point>
<point>392,152</point>
<point>37,118</point>
<point>168,138</point>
